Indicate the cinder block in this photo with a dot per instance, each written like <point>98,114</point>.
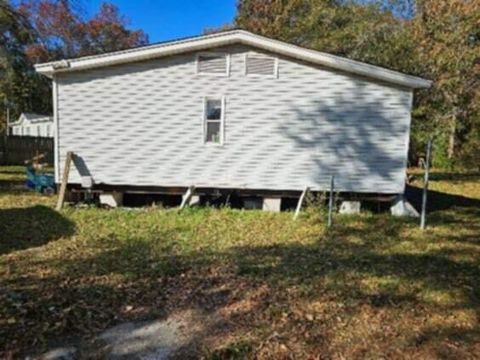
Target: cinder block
<point>350,207</point>
<point>194,200</point>
<point>87,182</point>
<point>272,204</point>
<point>114,199</point>
<point>402,207</point>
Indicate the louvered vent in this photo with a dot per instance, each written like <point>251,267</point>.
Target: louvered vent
<point>260,66</point>
<point>212,64</point>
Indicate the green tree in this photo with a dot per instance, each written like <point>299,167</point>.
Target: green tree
<point>19,85</point>
<point>447,36</point>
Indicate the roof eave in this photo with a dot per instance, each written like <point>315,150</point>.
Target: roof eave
<point>149,52</point>
<point>339,63</point>
<point>236,36</point>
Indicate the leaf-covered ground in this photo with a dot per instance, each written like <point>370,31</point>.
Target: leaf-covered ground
<point>267,286</point>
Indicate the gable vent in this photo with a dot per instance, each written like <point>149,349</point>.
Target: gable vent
<point>260,66</point>
<point>212,64</point>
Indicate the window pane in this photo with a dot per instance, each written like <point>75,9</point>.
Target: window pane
<point>214,109</point>
<point>213,132</point>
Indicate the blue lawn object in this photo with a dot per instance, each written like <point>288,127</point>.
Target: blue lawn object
<point>42,183</point>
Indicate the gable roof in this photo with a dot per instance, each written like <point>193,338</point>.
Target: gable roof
<point>233,37</point>
<point>32,117</point>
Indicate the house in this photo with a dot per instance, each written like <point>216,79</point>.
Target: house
<point>30,124</point>
<point>231,111</point>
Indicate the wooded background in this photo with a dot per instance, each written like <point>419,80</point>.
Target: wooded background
<point>435,39</point>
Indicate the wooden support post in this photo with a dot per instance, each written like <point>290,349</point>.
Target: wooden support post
<point>186,198</point>
<point>425,186</point>
<point>300,202</point>
<point>63,186</point>
<point>330,202</point>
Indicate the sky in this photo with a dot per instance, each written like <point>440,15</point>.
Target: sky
<point>169,19</point>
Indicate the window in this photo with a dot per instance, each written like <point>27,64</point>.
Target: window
<point>27,131</point>
<point>38,130</point>
<point>213,63</point>
<point>214,115</point>
<point>261,65</point>
<point>48,131</point>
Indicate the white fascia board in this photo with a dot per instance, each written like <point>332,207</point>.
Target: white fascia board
<point>143,53</point>
<point>232,37</point>
<point>335,62</point>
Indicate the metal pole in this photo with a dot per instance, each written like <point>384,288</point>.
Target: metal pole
<point>8,121</point>
<point>7,115</point>
<point>330,202</point>
<point>425,186</point>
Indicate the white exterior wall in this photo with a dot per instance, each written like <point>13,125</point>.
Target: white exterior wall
<point>33,129</point>
<point>142,124</point>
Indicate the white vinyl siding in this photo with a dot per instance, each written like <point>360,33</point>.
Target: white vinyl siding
<point>40,130</point>
<point>213,64</point>
<point>261,65</point>
<point>281,133</point>
<point>32,125</point>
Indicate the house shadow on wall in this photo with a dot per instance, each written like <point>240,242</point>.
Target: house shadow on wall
<point>23,228</point>
<point>352,137</point>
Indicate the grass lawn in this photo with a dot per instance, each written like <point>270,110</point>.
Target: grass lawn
<point>268,287</point>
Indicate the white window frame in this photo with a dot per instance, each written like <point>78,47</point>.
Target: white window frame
<point>205,121</point>
<point>260,56</point>
<point>206,54</point>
